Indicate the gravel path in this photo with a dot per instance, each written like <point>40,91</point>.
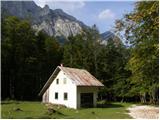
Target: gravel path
<point>144,112</point>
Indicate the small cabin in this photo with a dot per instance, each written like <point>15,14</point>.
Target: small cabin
<point>71,87</point>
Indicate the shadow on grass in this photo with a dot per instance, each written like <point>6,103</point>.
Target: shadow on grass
<point>109,105</point>
<point>9,102</point>
<point>105,105</point>
<point>49,115</point>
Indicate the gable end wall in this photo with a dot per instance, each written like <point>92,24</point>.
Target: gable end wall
<point>69,87</point>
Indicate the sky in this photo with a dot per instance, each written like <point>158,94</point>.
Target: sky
<point>102,13</point>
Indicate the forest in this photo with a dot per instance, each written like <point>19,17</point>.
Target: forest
<point>129,73</point>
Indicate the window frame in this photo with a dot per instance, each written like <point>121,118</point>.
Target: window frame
<point>64,80</point>
<point>65,96</point>
<point>56,96</point>
<point>57,81</point>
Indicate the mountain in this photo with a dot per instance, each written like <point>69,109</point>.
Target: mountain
<point>108,35</point>
<point>53,22</point>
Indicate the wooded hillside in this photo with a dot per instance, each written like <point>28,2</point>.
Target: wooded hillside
<point>129,73</point>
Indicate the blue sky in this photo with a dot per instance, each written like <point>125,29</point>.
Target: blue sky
<point>102,13</point>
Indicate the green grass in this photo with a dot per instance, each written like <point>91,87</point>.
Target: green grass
<point>18,109</point>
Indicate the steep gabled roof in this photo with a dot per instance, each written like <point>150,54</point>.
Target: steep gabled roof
<point>80,77</point>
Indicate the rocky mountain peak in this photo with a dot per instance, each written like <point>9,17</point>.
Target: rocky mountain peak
<point>46,7</point>
<point>45,10</point>
<point>108,35</point>
<point>54,22</point>
<point>60,11</point>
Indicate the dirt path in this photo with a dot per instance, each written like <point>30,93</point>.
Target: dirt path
<point>144,112</point>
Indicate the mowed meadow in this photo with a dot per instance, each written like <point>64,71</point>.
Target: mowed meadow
<point>38,110</point>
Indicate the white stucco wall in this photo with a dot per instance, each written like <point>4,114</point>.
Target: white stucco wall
<point>45,97</point>
<point>61,88</point>
<point>86,89</point>
<point>71,89</point>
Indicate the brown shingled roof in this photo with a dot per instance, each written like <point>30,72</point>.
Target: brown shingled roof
<point>80,77</point>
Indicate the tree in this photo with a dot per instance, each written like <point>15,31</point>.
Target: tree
<point>111,70</point>
<point>105,62</point>
<point>141,30</point>
<point>27,59</point>
<point>81,50</point>
<point>18,50</point>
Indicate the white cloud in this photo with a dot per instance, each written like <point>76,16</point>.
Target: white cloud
<point>40,3</point>
<point>67,6</point>
<point>106,14</point>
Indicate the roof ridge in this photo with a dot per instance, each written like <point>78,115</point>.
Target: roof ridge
<point>72,68</point>
<point>76,75</point>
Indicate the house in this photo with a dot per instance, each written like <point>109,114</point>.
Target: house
<point>71,87</point>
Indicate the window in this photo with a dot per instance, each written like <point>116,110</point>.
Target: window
<point>57,81</point>
<point>56,95</point>
<point>64,81</point>
<point>65,96</point>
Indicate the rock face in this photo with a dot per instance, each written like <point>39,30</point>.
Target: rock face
<point>60,27</point>
<point>53,22</point>
<point>108,35</point>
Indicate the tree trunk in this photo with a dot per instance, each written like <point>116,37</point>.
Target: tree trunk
<point>153,98</point>
<point>122,100</point>
<point>11,85</point>
<point>143,97</point>
<point>95,63</point>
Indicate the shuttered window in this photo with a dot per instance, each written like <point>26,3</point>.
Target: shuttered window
<point>65,96</point>
<point>64,81</point>
<point>56,95</point>
<point>57,81</point>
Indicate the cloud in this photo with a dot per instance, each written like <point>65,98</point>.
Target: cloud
<point>106,14</point>
<point>67,6</point>
<point>40,3</point>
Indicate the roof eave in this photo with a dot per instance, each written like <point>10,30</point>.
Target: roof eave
<point>90,85</point>
<point>49,81</point>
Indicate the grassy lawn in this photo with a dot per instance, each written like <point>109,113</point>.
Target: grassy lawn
<point>17,109</point>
